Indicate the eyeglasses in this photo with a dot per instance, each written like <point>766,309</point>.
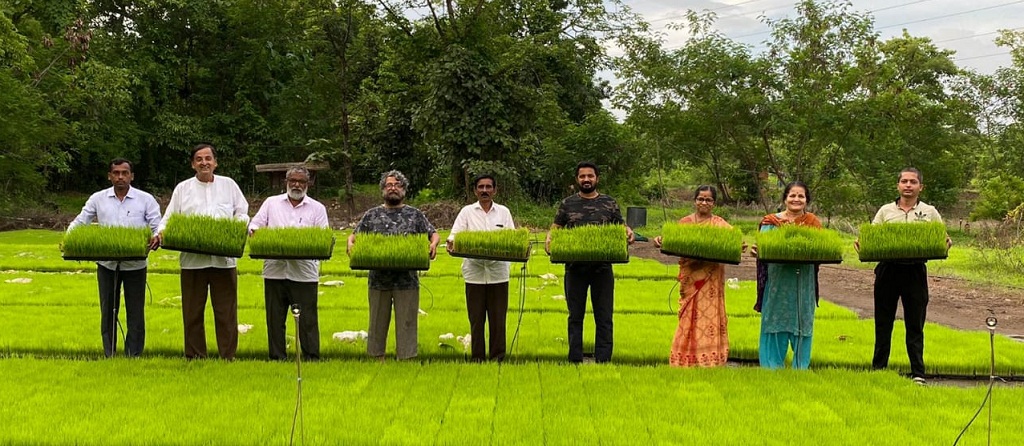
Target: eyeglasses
<point>705,200</point>
<point>295,181</point>
<point>392,185</point>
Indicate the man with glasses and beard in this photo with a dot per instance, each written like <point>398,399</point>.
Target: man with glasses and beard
<point>291,282</point>
<point>397,289</point>
<point>588,207</point>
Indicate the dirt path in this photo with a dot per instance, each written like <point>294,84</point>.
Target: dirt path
<point>952,302</point>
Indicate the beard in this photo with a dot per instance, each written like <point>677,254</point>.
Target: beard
<point>587,188</point>
<point>394,198</point>
<point>297,194</point>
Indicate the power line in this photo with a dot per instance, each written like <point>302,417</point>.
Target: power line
<point>944,16</point>
<point>959,59</point>
<point>954,39</point>
<point>679,16</point>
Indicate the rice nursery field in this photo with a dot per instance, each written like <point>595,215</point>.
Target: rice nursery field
<point>60,390</point>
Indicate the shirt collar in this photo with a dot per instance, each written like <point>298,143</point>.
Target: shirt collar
<point>897,203</point>
<point>130,194</point>
<point>289,201</point>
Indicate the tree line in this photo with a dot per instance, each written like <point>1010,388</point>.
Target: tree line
<point>447,90</point>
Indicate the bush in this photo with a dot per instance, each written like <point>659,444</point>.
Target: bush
<point>998,196</point>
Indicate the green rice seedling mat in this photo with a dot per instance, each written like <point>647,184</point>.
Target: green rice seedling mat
<point>385,268</point>
<point>702,259</point>
<point>802,262</point>
<point>902,242</point>
<point>703,242</point>
<point>103,258</point>
<point>504,245</point>
<point>203,234</point>
<point>386,252</point>
<point>799,244</point>
<point>211,252</point>
<point>590,244</point>
<point>470,255</point>
<point>292,243</point>
<point>330,253</point>
<point>96,242</point>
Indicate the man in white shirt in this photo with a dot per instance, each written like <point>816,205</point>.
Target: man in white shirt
<point>216,196</point>
<point>906,281</point>
<point>291,282</point>
<point>122,205</point>
<point>486,280</point>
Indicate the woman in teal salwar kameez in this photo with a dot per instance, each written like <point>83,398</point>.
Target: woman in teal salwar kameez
<point>787,293</point>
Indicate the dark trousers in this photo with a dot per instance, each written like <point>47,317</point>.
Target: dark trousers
<point>893,282</point>
<point>279,295</point>
<point>487,304</point>
<point>134,283</point>
<point>599,279</point>
<point>222,284</point>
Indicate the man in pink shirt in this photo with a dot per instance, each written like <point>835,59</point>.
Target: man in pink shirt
<point>291,282</point>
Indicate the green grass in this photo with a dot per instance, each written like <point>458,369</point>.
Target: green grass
<point>106,242</point>
<point>703,242</point>
<point>589,243</point>
<point>799,243</point>
<point>395,252</point>
<point>206,235</point>
<point>902,241</point>
<point>59,386</point>
<point>501,245</point>
<point>287,242</point>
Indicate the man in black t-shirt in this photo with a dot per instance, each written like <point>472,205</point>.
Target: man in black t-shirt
<point>398,289</point>
<point>588,207</point>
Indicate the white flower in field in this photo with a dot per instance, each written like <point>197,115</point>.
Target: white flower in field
<point>558,297</point>
<point>349,336</point>
<point>244,328</point>
<point>733,283</point>
<point>465,340</point>
<point>19,280</point>
<point>334,283</point>
<point>549,276</point>
<point>422,313</point>
<point>319,293</point>
<point>446,337</point>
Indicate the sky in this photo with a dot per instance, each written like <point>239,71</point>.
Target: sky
<point>967,27</point>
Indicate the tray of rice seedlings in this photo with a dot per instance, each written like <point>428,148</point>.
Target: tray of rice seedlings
<point>702,242</point>
<point>306,243</point>
<point>506,245</point>
<point>95,242</point>
<point>799,244</point>
<point>590,244</point>
<point>893,242</point>
<point>203,234</point>
<point>390,252</point>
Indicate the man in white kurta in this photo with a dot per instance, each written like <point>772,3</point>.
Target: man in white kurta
<point>486,280</point>
<point>216,196</point>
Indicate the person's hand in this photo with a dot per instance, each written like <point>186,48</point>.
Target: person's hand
<point>949,243</point>
<point>744,247</point>
<point>251,232</point>
<point>630,236</point>
<point>547,245</point>
<point>156,241</point>
<point>856,245</point>
<point>351,243</point>
<point>449,245</point>
<point>753,251</point>
<point>433,251</point>
<point>657,242</point>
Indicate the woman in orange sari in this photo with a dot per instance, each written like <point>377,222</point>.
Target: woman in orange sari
<point>702,338</point>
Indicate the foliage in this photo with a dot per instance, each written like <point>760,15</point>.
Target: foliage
<point>799,243</point>
<point>589,243</point>
<point>390,252</point>
<point>998,196</point>
<point>106,242</point>
<point>292,242</point>
<point>496,245</point>
<point>705,242</point>
<point>205,235</point>
<point>902,241</point>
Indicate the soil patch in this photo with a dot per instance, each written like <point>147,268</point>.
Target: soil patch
<point>952,302</point>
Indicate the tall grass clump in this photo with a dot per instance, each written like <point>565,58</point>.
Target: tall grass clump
<point>390,252</point>
<point>796,243</point>
<point>292,243</point>
<point>203,234</point>
<point>702,242</point>
<point>95,242</point>
<point>902,241</point>
<point>590,243</point>
<point>510,245</point>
